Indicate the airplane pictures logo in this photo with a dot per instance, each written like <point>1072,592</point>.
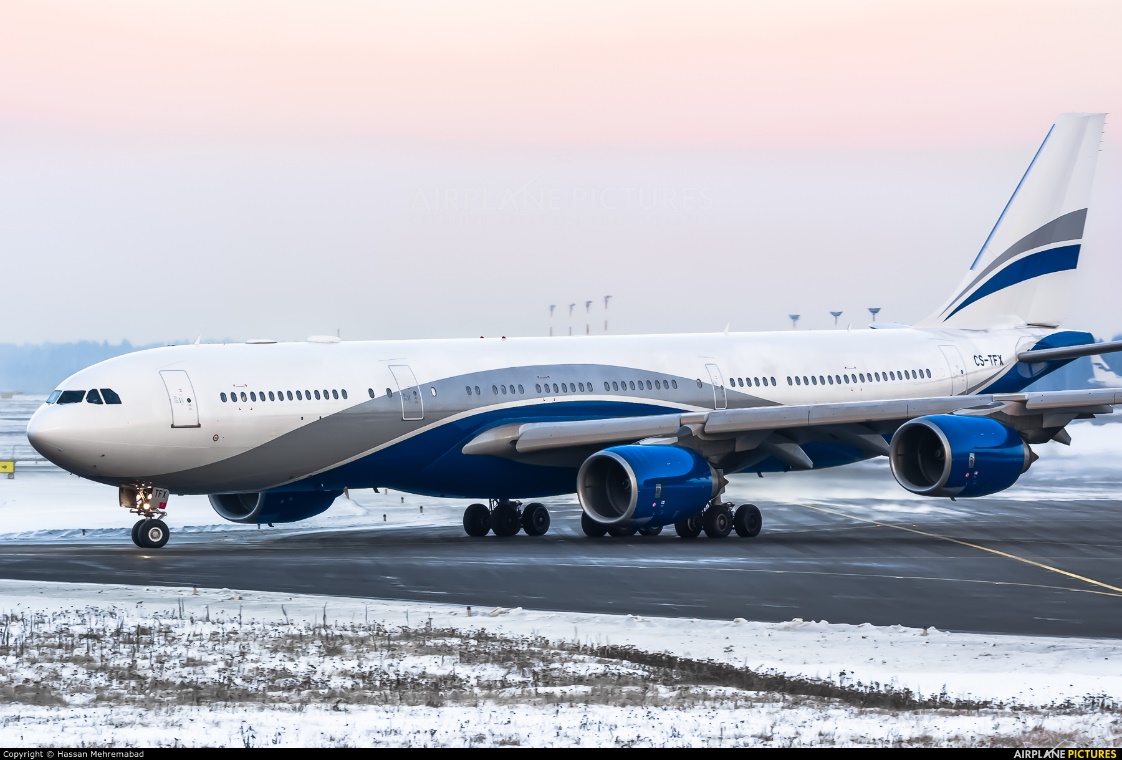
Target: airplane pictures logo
<point>1068,754</point>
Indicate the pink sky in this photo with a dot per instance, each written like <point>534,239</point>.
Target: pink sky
<point>574,73</point>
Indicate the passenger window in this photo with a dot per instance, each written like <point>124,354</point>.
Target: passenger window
<point>253,395</point>
<point>556,389</point>
<point>830,379</point>
<point>432,390</point>
<point>607,386</point>
<point>244,397</point>
<point>699,384</point>
<point>289,393</point>
<point>821,380</point>
<point>773,381</point>
<point>649,386</point>
<point>538,387</point>
<point>674,383</point>
<point>756,380</point>
<point>299,396</point>
<point>334,394</point>
<point>615,386</point>
<point>805,381</point>
<point>271,396</point>
<point>520,389</point>
<point>368,390</point>
<point>93,397</point>
<point>581,386</point>
<point>798,381</point>
<point>477,393</point>
<point>632,384</point>
<point>928,372</point>
<point>503,389</point>
<point>223,397</point>
<point>789,380</point>
<point>813,380</point>
<point>317,395</point>
<point>658,385</point>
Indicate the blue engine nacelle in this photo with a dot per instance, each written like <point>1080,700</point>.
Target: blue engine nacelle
<point>950,455</point>
<point>641,486</point>
<point>272,507</point>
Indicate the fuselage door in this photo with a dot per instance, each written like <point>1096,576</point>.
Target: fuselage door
<point>718,380</point>
<point>184,405</point>
<point>957,368</point>
<point>412,405</point>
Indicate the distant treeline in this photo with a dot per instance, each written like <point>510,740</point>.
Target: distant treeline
<point>40,368</point>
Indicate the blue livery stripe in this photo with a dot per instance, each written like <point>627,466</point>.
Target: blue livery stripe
<point>1036,265</point>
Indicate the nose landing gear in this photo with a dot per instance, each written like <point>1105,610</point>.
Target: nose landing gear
<point>150,532</point>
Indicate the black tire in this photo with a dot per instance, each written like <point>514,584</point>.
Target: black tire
<point>653,530</point>
<point>717,521</point>
<point>136,533</point>
<point>591,528</point>
<point>748,521</point>
<point>621,531</point>
<point>477,520</point>
<point>535,519</point>
<point>153,534</point>
<point>690,527</point>
<point>505,520</point>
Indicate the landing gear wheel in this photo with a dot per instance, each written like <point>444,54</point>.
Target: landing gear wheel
<point>591,528</point>
<point>650,531</point>
<point>153,534</point>
<point>747,521</point>
<point>136,533</point>
<point>505,520</point>
<point>717,521</point>
<point>535,519</point>
<point>690,527</point>
<point>477,520</point>
<point>621,531</point>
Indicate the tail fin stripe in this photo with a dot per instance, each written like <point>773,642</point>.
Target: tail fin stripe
<point>1067,227</point>
<point>1012,198</point>
<point>1034,265</point>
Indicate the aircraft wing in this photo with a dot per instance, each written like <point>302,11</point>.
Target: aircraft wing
<point>731,436</point>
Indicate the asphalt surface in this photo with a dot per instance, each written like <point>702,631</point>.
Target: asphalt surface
<point>998,566</point>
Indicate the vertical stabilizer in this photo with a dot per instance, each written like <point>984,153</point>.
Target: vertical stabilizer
<point>1023,273</point>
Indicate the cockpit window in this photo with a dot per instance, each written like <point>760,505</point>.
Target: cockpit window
<point>110,396</point>
<point>53,397</point>
<point>71,397</point>
<point>93,397</point>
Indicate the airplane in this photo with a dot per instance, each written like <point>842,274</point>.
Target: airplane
<point>645,429</point>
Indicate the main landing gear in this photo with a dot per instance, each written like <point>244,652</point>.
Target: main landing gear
<point>718,520</point>
<point>506,518</point>
<point>149,532</point>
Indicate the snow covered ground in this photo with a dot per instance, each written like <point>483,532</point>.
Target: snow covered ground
<point>127,666</point>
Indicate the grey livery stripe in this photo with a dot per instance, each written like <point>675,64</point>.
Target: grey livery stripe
<point>1061,229</point>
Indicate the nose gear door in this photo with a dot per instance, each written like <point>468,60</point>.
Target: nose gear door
<point>184,409</point>
<point>412,405</point>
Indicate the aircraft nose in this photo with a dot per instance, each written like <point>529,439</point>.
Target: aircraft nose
<point>46,437</point>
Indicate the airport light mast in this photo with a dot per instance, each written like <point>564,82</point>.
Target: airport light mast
<point>835,315</point>
<point>794,320</point>
<point>606,299</point>
<point>552,306</point>
<point>874,310</point>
